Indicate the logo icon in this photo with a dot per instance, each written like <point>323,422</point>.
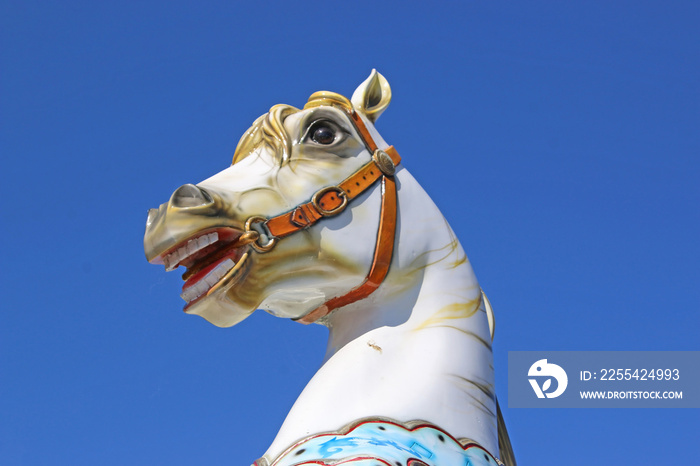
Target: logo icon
<point>543,369</point>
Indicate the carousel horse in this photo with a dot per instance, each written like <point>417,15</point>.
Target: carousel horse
<point>316,221</point>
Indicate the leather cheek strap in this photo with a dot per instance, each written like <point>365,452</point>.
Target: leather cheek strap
<point>383,253</point>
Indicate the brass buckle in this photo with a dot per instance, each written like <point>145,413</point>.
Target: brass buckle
<point>265,240</point>
<point>329,213</point>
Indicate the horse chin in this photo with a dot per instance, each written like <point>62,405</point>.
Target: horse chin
<point>293,304</point>
<point>220,305</point>
<point>219,309</point>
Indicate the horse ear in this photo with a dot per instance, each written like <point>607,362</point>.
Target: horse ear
<point>372,97</point>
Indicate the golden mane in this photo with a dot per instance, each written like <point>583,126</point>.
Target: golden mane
<point>268,129</point>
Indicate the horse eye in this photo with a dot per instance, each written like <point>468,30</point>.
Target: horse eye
<point>323,133</point>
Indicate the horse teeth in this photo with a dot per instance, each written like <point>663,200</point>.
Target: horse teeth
<point>211,279</point>
<point>175,258</point>
<point>223,268</point>
<point>205,284</point>
<point>192,247</point>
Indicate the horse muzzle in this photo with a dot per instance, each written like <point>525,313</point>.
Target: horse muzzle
<point>193,230</point>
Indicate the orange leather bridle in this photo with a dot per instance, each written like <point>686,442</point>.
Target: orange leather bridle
<point>332,200</point>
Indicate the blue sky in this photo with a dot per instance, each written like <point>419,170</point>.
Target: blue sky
<point>559,139</point>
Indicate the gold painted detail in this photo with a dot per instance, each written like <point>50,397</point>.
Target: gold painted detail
<point>321,98</point>
<point>459,261</point>
<point>231,273</point>
<point>447,249</point>
<point>246,238</point>
<point>269,130</point>
<point>451,312</point>
<point>384,162</point>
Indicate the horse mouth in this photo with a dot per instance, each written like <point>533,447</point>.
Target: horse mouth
<point>212,257</point>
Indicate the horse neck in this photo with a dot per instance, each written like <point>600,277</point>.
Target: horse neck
<point>417,349</point>
<point>430,285</point>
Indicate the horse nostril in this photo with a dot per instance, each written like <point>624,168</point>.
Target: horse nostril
<point>189,195</point>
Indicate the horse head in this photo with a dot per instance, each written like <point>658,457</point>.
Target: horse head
<point>316,220</point>
<point>288,157</point>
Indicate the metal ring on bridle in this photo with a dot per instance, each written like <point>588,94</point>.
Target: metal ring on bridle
<point>265,241</point>
<point>315,200</point>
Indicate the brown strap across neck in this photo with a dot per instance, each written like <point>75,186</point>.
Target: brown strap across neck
<point>332,200</point>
